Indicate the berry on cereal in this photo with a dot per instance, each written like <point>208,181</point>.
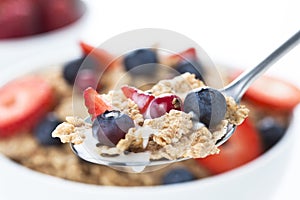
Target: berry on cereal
<point>209,105</point>
<point>141,61</point>
<point>141,98</point>
<point>111,126</point>
<point>95,103</point>
<point>162,104</point>
<point>22,103</point>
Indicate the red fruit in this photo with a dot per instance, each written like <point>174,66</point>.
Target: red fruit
<point>18,18</point>
<point>23,102</point>
<point>58,13</point>
<point>163,104</point>
<point>273,93</point>
<point>86,78</point>
<point>141,98</point>
<point>94,102</point>
<point>243,146</point>
<point>105,59</point>
<point>189,54</point>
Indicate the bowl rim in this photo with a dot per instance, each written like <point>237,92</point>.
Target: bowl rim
<point>246,168</point>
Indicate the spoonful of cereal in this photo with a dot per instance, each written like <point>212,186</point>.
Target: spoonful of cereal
<point>133,130</point>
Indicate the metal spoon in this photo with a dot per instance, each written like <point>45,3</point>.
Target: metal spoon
<point>239,86</point>
<point>140,162</point>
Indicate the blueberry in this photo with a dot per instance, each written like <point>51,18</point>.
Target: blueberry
<point>111,126</point>
<point>178,175</point>
<point>271,131</point>
<point>191,66</point>
<point>44,129</point>
<point>146,57</point>
<point>72,68</point>
<point>208,105</point>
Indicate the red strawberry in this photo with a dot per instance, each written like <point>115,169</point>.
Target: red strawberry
<point>189,54</point>
<point>59,13</point>
<point>95,103</point>
<point>18,18</point>
<point>273,93</point>
<point>23,102</point>
<point>105,59</point>
<point>243,146</point>
<point>141,98</point>
<point>163,104</point>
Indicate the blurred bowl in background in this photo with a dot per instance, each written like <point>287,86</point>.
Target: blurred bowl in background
<point>55,42</point>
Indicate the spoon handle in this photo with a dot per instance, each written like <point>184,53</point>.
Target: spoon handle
<point>238,87</point>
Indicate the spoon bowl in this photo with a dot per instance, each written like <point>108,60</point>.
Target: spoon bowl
<point>129,162</point>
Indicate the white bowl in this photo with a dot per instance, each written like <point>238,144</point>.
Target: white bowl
<point>258,179</point>
<point>56,44</point>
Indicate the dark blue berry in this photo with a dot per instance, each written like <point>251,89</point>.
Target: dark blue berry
<point>192,67</point>
<point>72,68</point>
<point>141,62</point>
<point>178,175</point>
<point>111,126</point>
<point>208,105</point>
<point>271,131</point>
<point>44,129</point>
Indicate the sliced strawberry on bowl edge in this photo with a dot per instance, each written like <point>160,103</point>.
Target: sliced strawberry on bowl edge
<point>23,102</point>
<point>105,59</point>
<point>95,103</point>
<point>243,146</point>
<point>141,98</point>
<point>189,54</point>
<point>273,93</point>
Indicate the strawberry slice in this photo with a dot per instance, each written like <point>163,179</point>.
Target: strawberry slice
<point>189,54</point>
<point>105,59</point>
<point>273,93</point>
<point>141,98</point>
<point>94,102</point>
<point>243,146</point>
<point>23,102</point>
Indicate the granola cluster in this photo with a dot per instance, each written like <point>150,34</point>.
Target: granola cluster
<point>179,85</point>
<point>71,130</point>
<point>235,113</point>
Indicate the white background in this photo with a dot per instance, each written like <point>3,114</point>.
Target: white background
<point>235,32</point>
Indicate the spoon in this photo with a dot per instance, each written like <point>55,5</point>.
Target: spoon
<point>140,162</point>
<point>239,86</point>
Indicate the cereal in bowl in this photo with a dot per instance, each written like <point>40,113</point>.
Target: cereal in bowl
<point>31,145</point>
